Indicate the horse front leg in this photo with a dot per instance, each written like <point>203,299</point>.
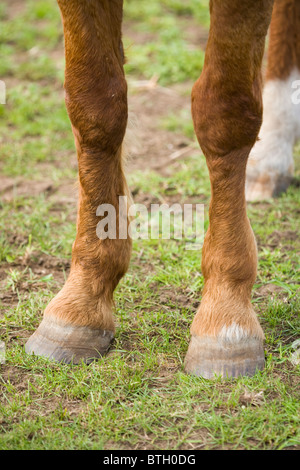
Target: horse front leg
<point>78,323</point>
<point>227,111</point>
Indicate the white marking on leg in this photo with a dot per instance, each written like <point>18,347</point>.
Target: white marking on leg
<point>233,333</point>
<point>272,155</point>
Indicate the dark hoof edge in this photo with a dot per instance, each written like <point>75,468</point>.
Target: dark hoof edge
<point>256,191</point>
<point>68,344</point>
<point>209,357</point>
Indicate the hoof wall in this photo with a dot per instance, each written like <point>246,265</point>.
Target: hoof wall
<point>260,191</point>
<point>208,357</point>
<point>68,344</point>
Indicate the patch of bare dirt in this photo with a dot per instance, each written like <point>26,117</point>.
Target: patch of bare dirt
<point>278,237</point>
<point>14,8</point>
<point>269,290</point>
<point>252,398</point>
<point>149,145</point>
<point>13,187</point>
<point>183,299</point>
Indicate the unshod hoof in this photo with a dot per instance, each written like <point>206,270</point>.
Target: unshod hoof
<point>68,343</point>
<point>209,357</point>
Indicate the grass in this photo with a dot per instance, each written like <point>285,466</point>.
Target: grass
<point>166,54</point>
<point>138,397</point>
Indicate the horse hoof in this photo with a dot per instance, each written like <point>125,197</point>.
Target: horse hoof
<point>68,343</point>
<point>209,357</point>
<point>262,189</point>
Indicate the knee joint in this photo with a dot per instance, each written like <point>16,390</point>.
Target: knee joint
<point>99,114</point>
<point>224,119</point>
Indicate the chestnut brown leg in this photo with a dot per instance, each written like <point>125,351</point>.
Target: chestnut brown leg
<point>227,110</point>
<point>78,323</point>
